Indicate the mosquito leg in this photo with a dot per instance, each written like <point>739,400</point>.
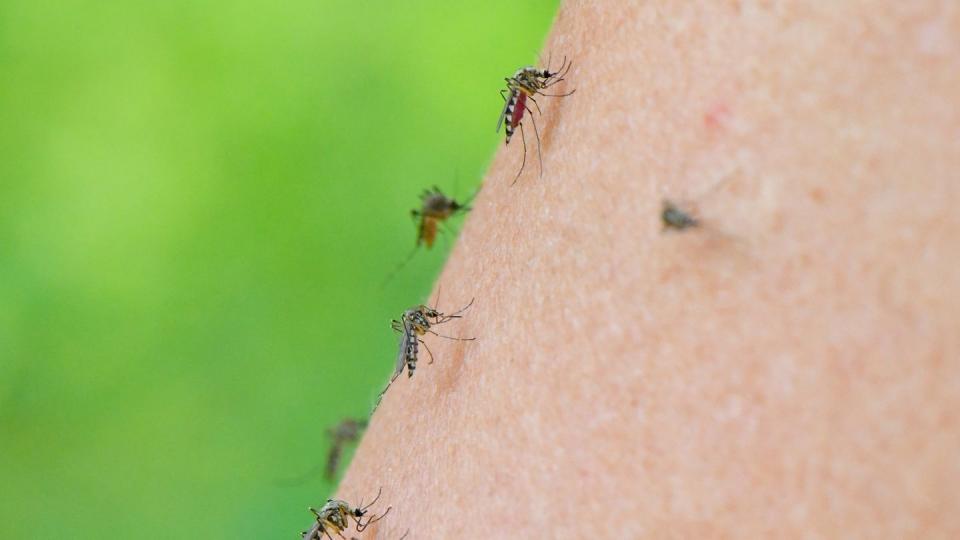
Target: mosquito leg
<point>387,387</point>
<point>450,337</point>
<point>373,519</point>
<point>557,95</point>
<point>375,499</point>
<point>537,133</point>
<point>537,104</point>
<point>461,310</point>
<point>523,138</point>
<point>427,348</point>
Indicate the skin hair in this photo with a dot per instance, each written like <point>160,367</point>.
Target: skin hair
<point>787,369</point>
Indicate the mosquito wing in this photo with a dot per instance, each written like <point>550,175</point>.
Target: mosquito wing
<point>506,107</point>
<point>404,346</point>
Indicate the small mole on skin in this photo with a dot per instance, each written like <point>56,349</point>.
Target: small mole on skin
<point>716,117</point>
<point>818,195</point>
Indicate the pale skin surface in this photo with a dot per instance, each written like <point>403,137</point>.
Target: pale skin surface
<point>791,369</point>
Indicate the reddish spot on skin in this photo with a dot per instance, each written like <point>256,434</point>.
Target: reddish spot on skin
<point>716,117</point>
<point>518,110</point>
<point>818,195</point>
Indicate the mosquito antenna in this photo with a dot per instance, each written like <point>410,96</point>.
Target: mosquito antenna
<point>549,60</point>
<point>362,526</point>
<point>559,76</point>
<point>461,310</point>
<point>375,499</point>
<point>523,138</point>
<point>562,72</point>
<point>537,133</point>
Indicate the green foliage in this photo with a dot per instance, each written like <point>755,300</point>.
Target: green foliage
<point>198,202</point>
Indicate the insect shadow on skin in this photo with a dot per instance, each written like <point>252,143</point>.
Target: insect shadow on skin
<point>682,216</point>
<point>415,322</point>
<point>527,83</point>
<point>435,209</point>
<point>335,516</point>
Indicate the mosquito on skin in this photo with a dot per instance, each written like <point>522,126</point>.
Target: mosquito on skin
<point>335,516</point>
<point>346,432</point>
<point>526,83</point>
<point>680,217</point>
<point>676,218</point>
<point>414,323</point>
<point>435,209</point>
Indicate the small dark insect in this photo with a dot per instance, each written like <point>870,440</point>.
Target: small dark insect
<point>435,209</point>
<point>335,515</point>
<point>346,432</point>
<point>526,83</point>
<point>414,323</point>
<point>675,218</point>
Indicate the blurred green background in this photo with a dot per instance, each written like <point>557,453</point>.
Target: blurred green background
<point>198,203</point>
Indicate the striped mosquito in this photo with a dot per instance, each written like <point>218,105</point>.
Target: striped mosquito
<point>335,516</point>
<point>415,322</point>
<point>525,84</point>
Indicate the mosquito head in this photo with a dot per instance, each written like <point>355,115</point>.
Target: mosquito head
<point>419,318</point>
<point>552,77</point>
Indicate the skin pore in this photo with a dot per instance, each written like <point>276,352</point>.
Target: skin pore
<point>790,368</point>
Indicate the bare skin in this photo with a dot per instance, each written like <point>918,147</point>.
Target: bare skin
<point>791,368</point>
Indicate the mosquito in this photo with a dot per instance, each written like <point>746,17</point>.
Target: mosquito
<point>676,218</point>
<point>435,209</point>
<point>526,83</point>
<point>335,515</point>
<point>346,432</point>
<point>414,323</point>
